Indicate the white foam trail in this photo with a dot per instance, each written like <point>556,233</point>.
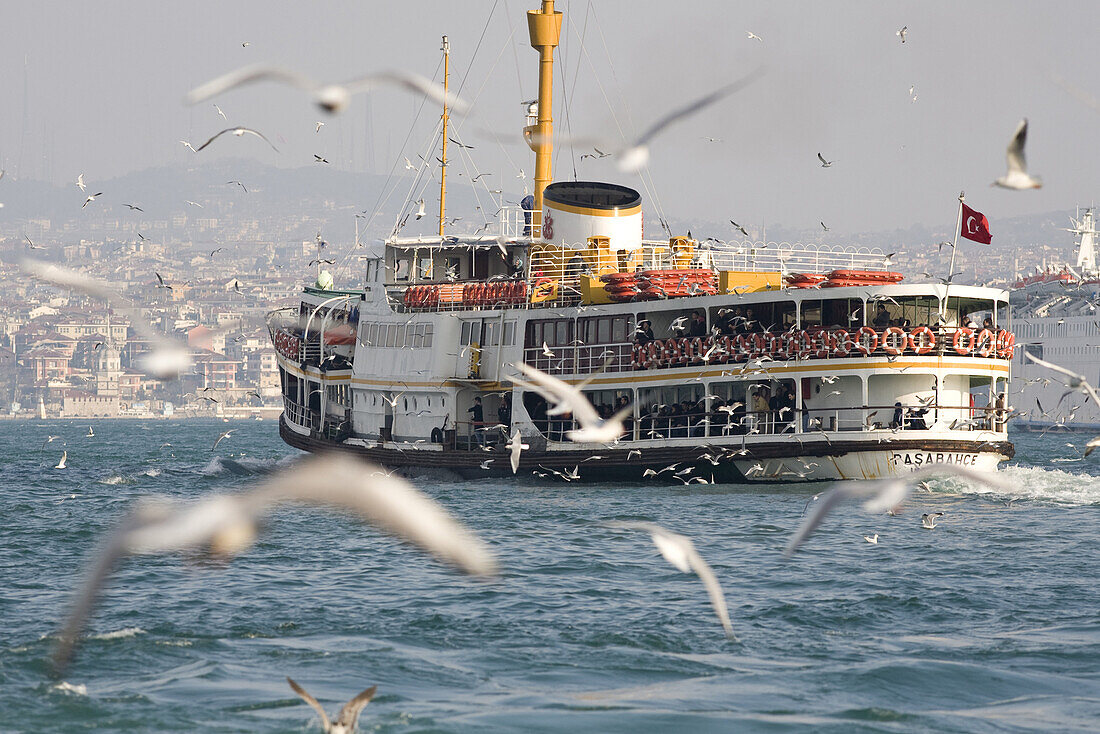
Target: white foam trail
<point>113,479</point>
<point>152,472</point>
<point>1042,485</point>
<point>79,689</point>
<point>118,634</point>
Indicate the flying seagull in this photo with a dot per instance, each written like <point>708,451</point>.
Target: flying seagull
<point>238,131</point>
<point>238,183</point>
<point>134,207</point>
<point>221,438</point>
<point>61,464</point>
<point>219,109</point>
<point>349,715</point>
<point>753,36</point>
<point>882,494</point>
<point>680,552</point>
<point>515,447</point>
<point>569,399</point>
<point>331,98</point>
<point>90,199</point>
<point>80,182</point>
<point>824,163</point>
<point>823,226</point>
<point>420,210</point>
<point>928,519</point>
<point>902,33</point>
<point>189,146</point>
<point>1017,176</point>
<point>224,525</point>
<point>318,159</point>
<point>321,125</point>
<point>739,228</point>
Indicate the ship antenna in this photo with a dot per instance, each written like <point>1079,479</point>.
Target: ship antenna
<point>443,158</point>
<point>545,29</point>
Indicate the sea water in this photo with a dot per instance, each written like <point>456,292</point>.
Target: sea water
<point>988,623</point>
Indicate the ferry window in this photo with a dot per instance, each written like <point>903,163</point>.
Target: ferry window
<point>619,329</point>
<point>428,335</point>
<point>426,268</point>
<point>843,313</point>
<point>391,334</point>
<point>490,334</point>
<point>811,314</point>
<point>561,332</point>
<point>416,337</point>
<point>467,333</point>
<point>509,333</point>
<point>401,269</point>
<point>963,310</point>
<point>454,268</point>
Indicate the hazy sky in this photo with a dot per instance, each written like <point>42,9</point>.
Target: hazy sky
<point>105,82</point>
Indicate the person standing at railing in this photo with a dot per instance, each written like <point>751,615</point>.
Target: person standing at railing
<point>504,413</point>
<point>527,203</point>
<point>477,421</point>
<point>1000,412</point>
<point>698,324</point>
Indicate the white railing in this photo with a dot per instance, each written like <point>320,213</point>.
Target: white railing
<point>517,222</point>
<point>788,258</point>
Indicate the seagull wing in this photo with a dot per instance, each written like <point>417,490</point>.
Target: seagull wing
<point>349,715</point>
<point>562,393</point>
<point>1014,154</point>
<point>313,702</point>
<point>387,502</point>
<point>258,134</point>
<point>110,551</point>
<point>822,159</point>
<point>247,75</point>
<point>714,589</point>
<point>412,82</point>
<point>698,104</point>
<point>517,449</point>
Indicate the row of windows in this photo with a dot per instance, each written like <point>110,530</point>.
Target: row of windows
<point>1039,331</point>
<point>396,335</point>
<point>409,403</point>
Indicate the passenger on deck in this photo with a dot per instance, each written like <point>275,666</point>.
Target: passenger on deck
<point>477,421</point>
<point>749,325</point>
<point>644,333</point>
<point>882,317</point>
<point>898,421</point>
<point>698,324</point>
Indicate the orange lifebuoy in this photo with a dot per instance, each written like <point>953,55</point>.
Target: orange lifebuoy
<point>918,341</point>
<point>777,346</point>
<point>842,343</point>
<point>823,349</point>
<point>866,340</point>
<point>653,354</point>
<point>1006,341</point>
<point>895,348</point>
<point>960,347</point>
<point>985,343</point>
<point>695,350</point>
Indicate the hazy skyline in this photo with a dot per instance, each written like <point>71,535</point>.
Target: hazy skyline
<point>105,84</point>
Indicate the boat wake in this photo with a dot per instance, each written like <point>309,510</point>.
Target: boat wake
<point>1042,485</point>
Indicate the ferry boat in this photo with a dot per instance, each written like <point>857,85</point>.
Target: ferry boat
<point>748,361</point>
<point>1055,315</point>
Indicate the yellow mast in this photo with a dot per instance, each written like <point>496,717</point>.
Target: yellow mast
<point>545,29</point>
<point>443,170</point>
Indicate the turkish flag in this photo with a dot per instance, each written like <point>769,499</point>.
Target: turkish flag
<point>975,226</point>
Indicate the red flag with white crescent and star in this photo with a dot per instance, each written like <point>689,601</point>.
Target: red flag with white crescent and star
<point>975,226</point>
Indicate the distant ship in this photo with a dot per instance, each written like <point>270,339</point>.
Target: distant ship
<point>734,361</point>
<point>1055,316</point>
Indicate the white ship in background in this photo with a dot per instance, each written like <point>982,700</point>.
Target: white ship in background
<point>1056,317</point>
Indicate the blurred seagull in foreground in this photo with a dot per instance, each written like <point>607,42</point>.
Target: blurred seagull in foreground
<point>331,98</point>
<point>238,131</point>
<point>168,357</point>
<point>634,156</point>
<point>1017,176</point>
<point>221,526</point>
<point>680,552</point>
<point>882,495</point>
<point>349,715</point>
<point>569,399</point>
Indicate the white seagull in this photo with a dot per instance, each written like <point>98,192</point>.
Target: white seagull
<point>883,494</point>
<point>61,464</point>
<point>680,552</point>
<point>902,33</point>
<point>349,715</point>
<point>824,163</point>
<point>516,446</point>
<point>569,399</point>
<point>222,526</point>
<point>420,210</point>
<point>219,109</point>
<point>238,131</point>
<point>1017,176</point>
<point>331,98</point>
<point>90,199</point>
<point>872,539</point>
<point>928,519</point>
<point>80,182</point>
<point>90,432</point>
<point>221,438</point>
<point>753,36</point>
<point>189,146</point>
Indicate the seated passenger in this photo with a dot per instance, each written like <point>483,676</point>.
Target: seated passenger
<point>882,317</point>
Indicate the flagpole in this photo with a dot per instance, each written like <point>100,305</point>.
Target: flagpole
<point>951,268</point>
<point>955,244</point>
